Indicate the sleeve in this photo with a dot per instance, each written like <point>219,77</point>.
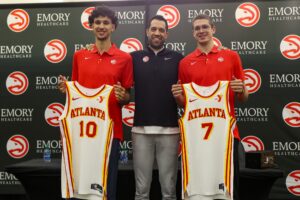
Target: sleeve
<point>238,71</point>
<point>182,74</point>
<point>127,74</point>
<point>75,68</point>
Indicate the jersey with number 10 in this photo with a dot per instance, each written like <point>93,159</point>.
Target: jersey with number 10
<point>207,140</point>
<point>86,134</point>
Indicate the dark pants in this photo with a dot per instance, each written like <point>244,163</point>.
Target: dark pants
<point>236,169</point>
<point>113,170</point>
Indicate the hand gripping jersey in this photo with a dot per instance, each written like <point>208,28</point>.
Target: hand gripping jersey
<point>207,140</point>
<point>86,135</point>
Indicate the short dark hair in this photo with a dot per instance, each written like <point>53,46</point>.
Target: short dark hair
<point>103,11</point>
<point>203,16</point>
<point>160,18</point>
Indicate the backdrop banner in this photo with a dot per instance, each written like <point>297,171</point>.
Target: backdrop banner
<point>37,45</point>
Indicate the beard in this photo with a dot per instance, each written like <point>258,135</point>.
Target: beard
<point>156,45</point>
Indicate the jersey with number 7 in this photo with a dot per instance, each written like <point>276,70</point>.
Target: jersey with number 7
<point>207,140</point>
<point>86,135</point>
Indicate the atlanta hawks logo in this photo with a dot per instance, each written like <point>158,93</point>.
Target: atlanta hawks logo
<point>217,42</point>
<point>252,143</point>
<point>55,51</point>
<point>17,146</point>
<point>291,114</point>
<point>85,18</point>
<point>52,114</point>
<point>252,80</point>
<point>171,14</point>
<point>247,14</point>
<point>18,20</point>
<point>293,182</point>
<point>290,47</point>
<point>131,44</point>
<point>17,83</point>
<point>128,114</point>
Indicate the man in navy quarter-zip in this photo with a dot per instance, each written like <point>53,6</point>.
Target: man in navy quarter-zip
<point>155,134</point>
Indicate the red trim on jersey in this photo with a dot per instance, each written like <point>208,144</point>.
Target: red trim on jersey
<point>212,94</point>
<point>105,166</point>
<point>69,151</point>
<point>184,156</point>
<point>101,88</point>
<point>69,99</point>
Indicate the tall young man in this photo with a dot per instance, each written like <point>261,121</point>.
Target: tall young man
<point>105,64</point>
<point>207,65</point>
<point>155,133</point>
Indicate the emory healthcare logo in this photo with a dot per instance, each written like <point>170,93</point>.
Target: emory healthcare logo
<point>131,16</point>
<point>18,20</point>
<point>131,44</point>
<point>252,143</point>
<point>128,114</point>
<point>55,51</point>
<point>52,114</point>
<point>17,146</point>
<point>85,17</point>
<point>54,145</point>
<point>17,83</point>
<point>217,42</point>
<point>247,14</point>
<point>171,14</point>
<point>291,114</point>
<point>252,80</point>
<point>290,47</point>
<point>293,182</point>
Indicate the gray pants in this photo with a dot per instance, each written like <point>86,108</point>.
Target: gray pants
<point>147,147</point>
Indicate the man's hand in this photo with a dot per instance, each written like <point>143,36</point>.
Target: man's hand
<point>122,95</point>
<point>238,86</point>
<point>62,83</point>
<point>177,92</point>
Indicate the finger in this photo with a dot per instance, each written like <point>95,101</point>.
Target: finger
<point>61,79</point>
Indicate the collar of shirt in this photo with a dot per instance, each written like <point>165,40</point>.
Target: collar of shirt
<point>160,51</point>
<point>198,52</point>
<point>111,51</point>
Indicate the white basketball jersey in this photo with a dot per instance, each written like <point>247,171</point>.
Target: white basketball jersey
<point>86,135</point>
<point>207,140</point>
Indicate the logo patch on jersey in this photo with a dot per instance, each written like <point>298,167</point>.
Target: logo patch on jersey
<point>100,99</point>
<point>114,61</point>
<point>146,59</point>
<point>75,98</point>
<point>167,58</point>
<point>192,100</point>
<point>193,63</point>
<point>218,97</point>
<point>220,59</point>
<point>221,186</point>
<point>97,187</point>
